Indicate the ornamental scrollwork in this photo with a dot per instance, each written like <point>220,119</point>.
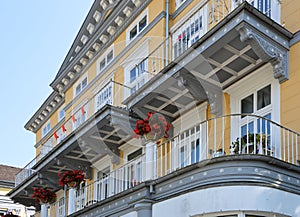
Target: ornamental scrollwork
<point>266,51</point>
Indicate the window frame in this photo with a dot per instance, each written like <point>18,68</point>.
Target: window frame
<point>137,55</point>
<point>79,84</point>
<point>136,25</point>
<point>59,113</point>
<point>255,81</point>
<point>105,60</point>
<point>44,130</point>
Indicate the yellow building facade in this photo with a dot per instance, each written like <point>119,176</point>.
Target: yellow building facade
<point>222,74</point>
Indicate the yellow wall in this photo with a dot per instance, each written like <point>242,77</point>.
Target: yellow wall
<point>290,15</point>
<point>4,191</point>
<point>289,94</point>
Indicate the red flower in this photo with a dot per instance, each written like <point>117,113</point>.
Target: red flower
<point>44,195</point>
<point>71,176</point>
<point>155,126</point>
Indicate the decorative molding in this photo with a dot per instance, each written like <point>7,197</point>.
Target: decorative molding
<point>90,28</point>
<point>266,51</point>
<point>97,16</point>
<point>119,20</point>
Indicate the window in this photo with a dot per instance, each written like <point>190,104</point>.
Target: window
<point>102,64</point>
<point>138,76</point>
<point>190,32</point>
<point>79,117</point>
<point>80,86</point>
<point>106,58</point>
<point>133,32</point>
<point>61,114</point>
<point>134,168</point>
<point>134,154</point>
<point>136,69</point>
<point>136,28</point>
<point>61,207</point>
<point>102,184</point>
<point>46,129</point>
<point>110,56</point>
<point>270,8</point>
<point>258,103</point>
<point>143,23</point>
<point>195,154</point>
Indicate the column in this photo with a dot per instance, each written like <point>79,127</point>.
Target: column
<point>150,160</point>
<point>44,210</point>
<point>71,201</point>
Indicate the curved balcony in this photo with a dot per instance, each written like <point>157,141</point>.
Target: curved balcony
<point>206,141</point>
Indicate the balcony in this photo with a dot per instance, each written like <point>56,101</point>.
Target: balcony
<point>182,75</point>
<point>68,127</point>
<point>201,144</point>
<point>196,64</point>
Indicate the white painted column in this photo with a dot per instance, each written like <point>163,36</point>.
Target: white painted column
<point>71,201</point>
<point>150,160</point>
<point>44,211</point>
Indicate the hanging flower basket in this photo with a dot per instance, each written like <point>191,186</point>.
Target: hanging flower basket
<point>152,128</point>
<point>44,195</point>
<point>71,178</point>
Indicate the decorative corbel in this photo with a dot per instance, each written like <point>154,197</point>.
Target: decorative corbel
<point>266,51</point>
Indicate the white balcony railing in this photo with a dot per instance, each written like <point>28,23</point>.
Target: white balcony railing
<point>119,180</point>
<point>209,139</point>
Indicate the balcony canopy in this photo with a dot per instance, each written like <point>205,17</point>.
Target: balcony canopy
<point>240,43</point>
<point>100,136</point>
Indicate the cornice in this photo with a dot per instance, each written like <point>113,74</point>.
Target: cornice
<point>122,14</point>
<point>54,101</point>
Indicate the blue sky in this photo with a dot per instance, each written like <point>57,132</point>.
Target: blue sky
<point>35,38</point>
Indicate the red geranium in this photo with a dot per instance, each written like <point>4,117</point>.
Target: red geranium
<point>44,195</point>
<point>154,127</point>
<point>76,176</point>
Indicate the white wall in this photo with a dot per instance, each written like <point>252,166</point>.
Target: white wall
<point>230,198</point>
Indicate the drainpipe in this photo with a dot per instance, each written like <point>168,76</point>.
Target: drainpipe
<point>167,32</point>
